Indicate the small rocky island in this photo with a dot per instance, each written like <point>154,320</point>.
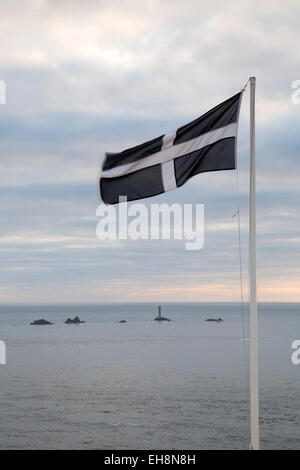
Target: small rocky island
<point>74,321</point>
<point>159,317</point>
<point>41,322</point>
<point>122,321</point>
<point>218,320</point>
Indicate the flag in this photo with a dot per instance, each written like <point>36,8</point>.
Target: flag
<point>206,144</point>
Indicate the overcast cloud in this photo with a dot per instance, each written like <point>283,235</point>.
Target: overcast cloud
<point>85,77</point>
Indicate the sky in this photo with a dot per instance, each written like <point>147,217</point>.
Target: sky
<point>86,77</point>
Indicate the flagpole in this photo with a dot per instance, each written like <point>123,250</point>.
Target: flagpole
<point>254,414</point>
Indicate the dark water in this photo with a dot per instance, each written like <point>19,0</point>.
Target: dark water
<point>144,385</point>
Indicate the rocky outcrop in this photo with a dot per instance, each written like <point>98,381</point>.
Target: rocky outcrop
<point>41,322</point>
<point>74,321</point>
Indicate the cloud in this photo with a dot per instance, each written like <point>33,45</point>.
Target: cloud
<point>85,77</point>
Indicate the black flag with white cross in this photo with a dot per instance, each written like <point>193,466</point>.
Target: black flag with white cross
<point>167,162</point>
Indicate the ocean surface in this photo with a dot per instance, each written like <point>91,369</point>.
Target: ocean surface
<point>143,384</point>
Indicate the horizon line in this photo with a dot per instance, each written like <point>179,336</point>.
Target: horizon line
<point>145,302</point>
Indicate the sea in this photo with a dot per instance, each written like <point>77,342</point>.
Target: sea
<point>142,384</point>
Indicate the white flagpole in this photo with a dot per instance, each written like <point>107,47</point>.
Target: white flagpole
<point>254,416</point>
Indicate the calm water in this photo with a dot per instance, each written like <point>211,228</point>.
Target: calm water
<point>144,385</point>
